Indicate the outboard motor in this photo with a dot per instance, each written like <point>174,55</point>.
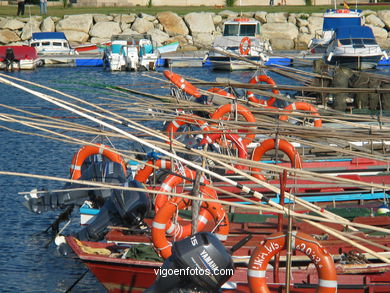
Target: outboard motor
<point>203,263</point>
<point>105,171</point>
<point>124,208</point>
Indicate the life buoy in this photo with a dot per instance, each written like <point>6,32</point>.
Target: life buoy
<point>242,19</point>
<point>245,46</point>
<point>164,215</point>
<point>174,125</point>
<point>171,181</point>
<point>221,92</point>
<point>243,111</point>
<point>280,144</point>
<point>303,106</point>
<point>181,83</point>
<point>268,80</point>
<point>144,173</point>
<point>343,11</point>
<point>277,242</point>
<point>89,150</point>
<point>237,141</point>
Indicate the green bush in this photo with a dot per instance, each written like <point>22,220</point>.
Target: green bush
<point>230,3</point>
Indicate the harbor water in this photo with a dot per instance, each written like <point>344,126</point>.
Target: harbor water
<point>29,259</point>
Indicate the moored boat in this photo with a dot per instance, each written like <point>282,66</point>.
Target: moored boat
<point>354,47</point>
<point>131,52</point>
<point>18,57</point>
<point>241,38</point>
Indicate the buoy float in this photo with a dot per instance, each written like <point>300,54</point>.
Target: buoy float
<point>245,46</point>
<point>164,215</point>
<point>277,242</point>
<point>181,83</point>
<point>89,150</point>
<point>303,106</point>
<point>262,78</point>
<point>243,111</point>
<point>280,144</point>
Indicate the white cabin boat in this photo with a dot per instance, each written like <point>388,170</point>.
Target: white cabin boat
<point>131,52</point>
<point>333,18</point>
<point>354,47</point>
<point>54,47</point>
<point>241,36</point>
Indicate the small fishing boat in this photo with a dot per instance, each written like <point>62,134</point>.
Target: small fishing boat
<point>354,47</point>
<point>333,19</point>
<point>54,47</point>
<point>18,57</point>
<point>131,52</point>
<point>241,37</point>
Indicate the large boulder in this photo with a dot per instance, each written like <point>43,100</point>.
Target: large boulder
<point>315,24</point>
<point>302,41</point>
<point>374,20</point>
<point>173,24</point>
<point>102,17</point>
<point>278,17</point>
<point>158,36</point>
<point>261,16</point>
<point>125,18</point>
<point>142,25</point>
<point>384,15</point>
<point>228,14</point>
<point>202,40</point>
<point>8,36</point>
<point>105,29</point>
<point>200,23</point>
<point>379,33</point>
<point>281,44</point>
<point>11,24</point>
<point>76,37</point>
<point>48,25</point>
<point>77,22</point>
<point>31,26</point>
<point>287,31</point>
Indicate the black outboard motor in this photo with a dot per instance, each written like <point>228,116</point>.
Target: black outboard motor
<point>123,208</point>
<point>199,262</point>
<point>105,171</point>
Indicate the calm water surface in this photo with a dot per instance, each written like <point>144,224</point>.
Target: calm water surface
<point>26,265</point>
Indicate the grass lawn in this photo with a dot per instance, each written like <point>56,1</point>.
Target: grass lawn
<point>60,11</point>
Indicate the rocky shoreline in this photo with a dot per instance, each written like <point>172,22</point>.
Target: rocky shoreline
<point>194,31</point>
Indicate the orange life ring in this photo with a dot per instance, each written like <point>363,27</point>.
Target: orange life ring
<point>169,183</point>
<point>164,215</point>
<point>242,19</point>
<point>174,125</point>
<point>245,46</point>
<point>281,144</point>
<point>243,111</point>
<point>89,150</point>
<point>266,79</point>
<point>221,92</point>
<point>343,11</point>
<point>277,242</point>
<point>237,140</point>
<point>144,173</point>
<point>181,83</point>
<point>303,106</point>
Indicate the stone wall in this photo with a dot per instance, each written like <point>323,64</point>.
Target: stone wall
<point>286,31</point>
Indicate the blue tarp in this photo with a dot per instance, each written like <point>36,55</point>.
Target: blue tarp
<point>354,32</point>
<point>42,36</point>
<point>331,23</point>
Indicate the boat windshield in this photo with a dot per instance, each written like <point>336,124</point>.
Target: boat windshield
<point>245,30</point>
<point>357,41</point>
